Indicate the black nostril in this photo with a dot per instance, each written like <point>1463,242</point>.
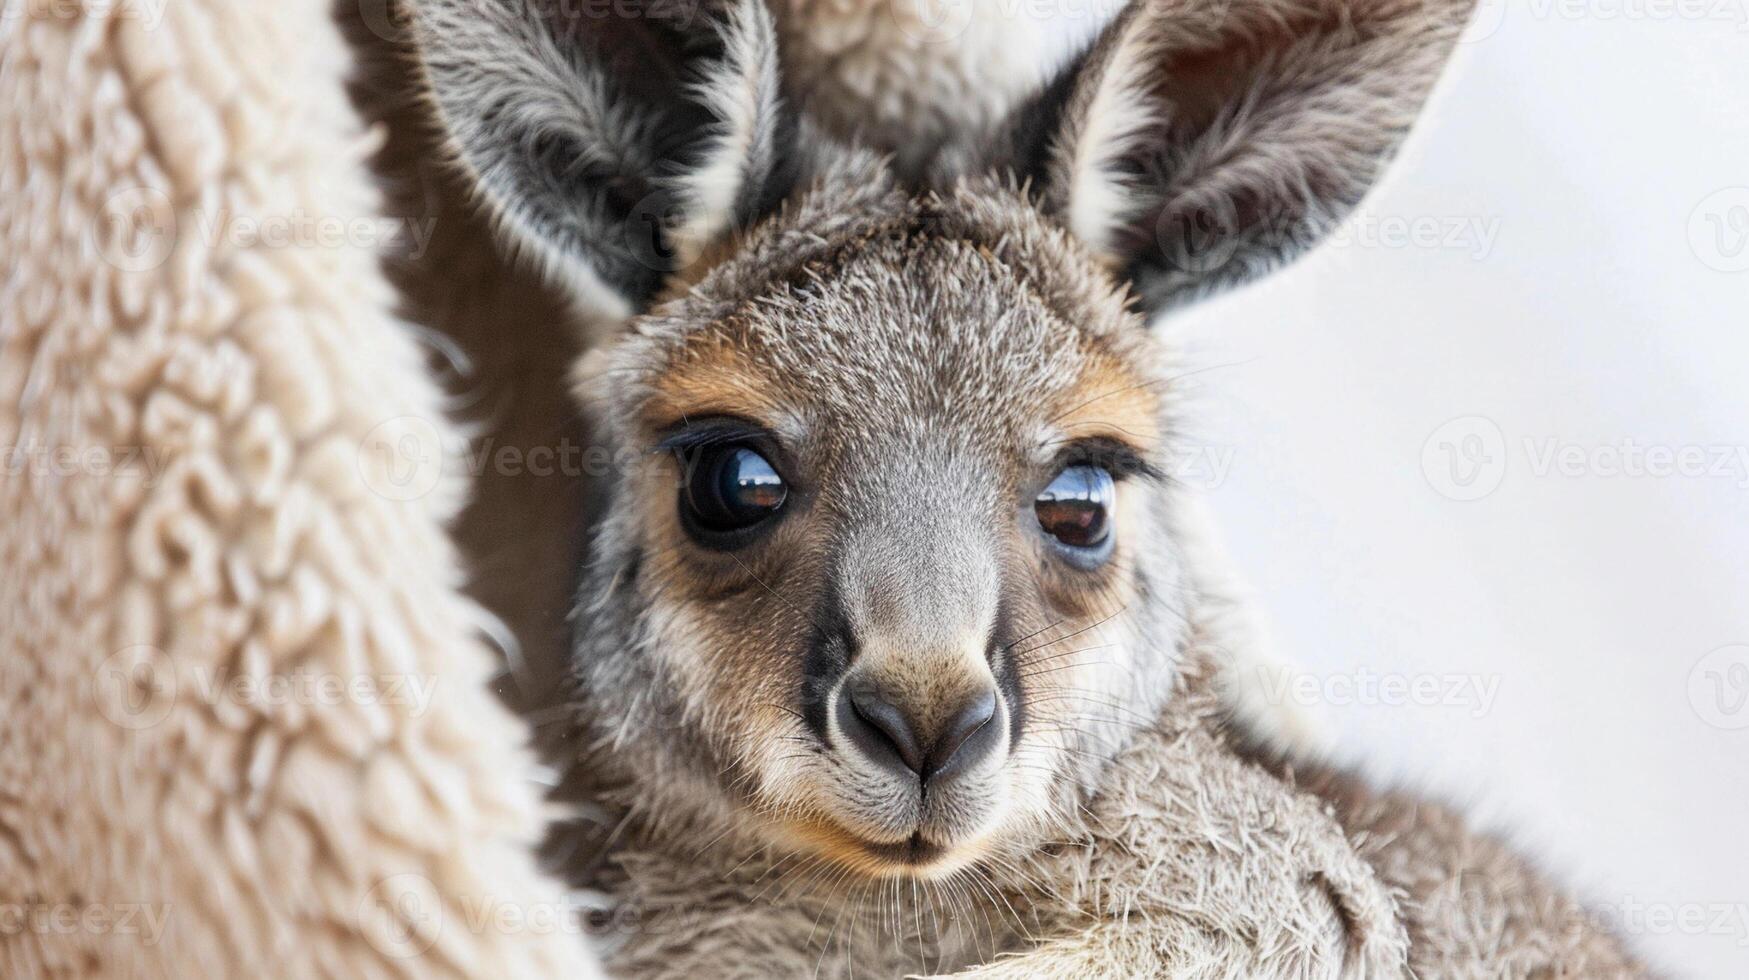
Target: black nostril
<point>962,742</point>
<point>880,729</point>
<point>886,733</point>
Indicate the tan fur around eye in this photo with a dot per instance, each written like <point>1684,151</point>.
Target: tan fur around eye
<point>1109,400</point>
<point>714,376</point>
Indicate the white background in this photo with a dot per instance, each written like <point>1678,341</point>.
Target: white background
<point>1592,139</point>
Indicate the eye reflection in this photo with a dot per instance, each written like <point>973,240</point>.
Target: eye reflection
<point>732,489</point>
<point>1076,508</point>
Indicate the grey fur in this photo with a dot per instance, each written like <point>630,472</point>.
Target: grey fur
<point>919,354</point>
<point>1247,130</point>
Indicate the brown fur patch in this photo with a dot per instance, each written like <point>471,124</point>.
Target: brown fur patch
<point>714,375</point>
<point>1111,400</point>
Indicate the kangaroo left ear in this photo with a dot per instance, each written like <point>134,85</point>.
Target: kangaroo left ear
<point>1199,145</point>
<point>615,141</point>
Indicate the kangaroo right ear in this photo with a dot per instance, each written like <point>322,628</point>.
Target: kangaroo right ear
<point>1197,145</point>
<point>614,142</point>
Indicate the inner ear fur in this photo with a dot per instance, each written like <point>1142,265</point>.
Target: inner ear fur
<point>1197,145</point>
<point>613,142</point>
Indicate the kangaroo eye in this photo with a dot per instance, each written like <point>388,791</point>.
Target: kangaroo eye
<point>731,488</point>
<point>1076,510</point>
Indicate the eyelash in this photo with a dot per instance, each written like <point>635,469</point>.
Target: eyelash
<point>716,432</point>
<point>1114,457</point>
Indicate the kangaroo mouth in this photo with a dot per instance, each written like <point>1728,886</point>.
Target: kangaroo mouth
<point>916,852</point>
<point>915,855</point>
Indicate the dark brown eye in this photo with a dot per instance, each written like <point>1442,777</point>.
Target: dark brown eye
<point>731,489</point>
<point>1075,510</point>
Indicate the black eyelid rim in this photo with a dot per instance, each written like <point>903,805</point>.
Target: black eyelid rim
<point>691,436</point>
<point>1111,455</point>
<point>711,431</point>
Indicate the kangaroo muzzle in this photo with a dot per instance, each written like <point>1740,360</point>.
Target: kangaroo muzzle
<point>919,733</point>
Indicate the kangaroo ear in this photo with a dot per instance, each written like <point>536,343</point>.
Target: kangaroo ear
<point>1198,145</point>
<point>614,141</point>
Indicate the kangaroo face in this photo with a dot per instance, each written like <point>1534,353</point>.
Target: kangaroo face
<point>898,523</point>
<point>894,574</point>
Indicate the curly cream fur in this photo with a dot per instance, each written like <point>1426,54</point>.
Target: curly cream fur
<point>233,536</point>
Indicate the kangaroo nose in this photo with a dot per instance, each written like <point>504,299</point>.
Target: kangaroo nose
<point>884,731</point>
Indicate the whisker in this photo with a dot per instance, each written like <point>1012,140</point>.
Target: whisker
<point>1093,626</point>
<point>1029,636</point>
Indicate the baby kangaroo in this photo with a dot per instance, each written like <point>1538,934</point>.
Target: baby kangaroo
<point>895,646</point>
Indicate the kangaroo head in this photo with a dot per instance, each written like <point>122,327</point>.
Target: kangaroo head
<point>891,568</point>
